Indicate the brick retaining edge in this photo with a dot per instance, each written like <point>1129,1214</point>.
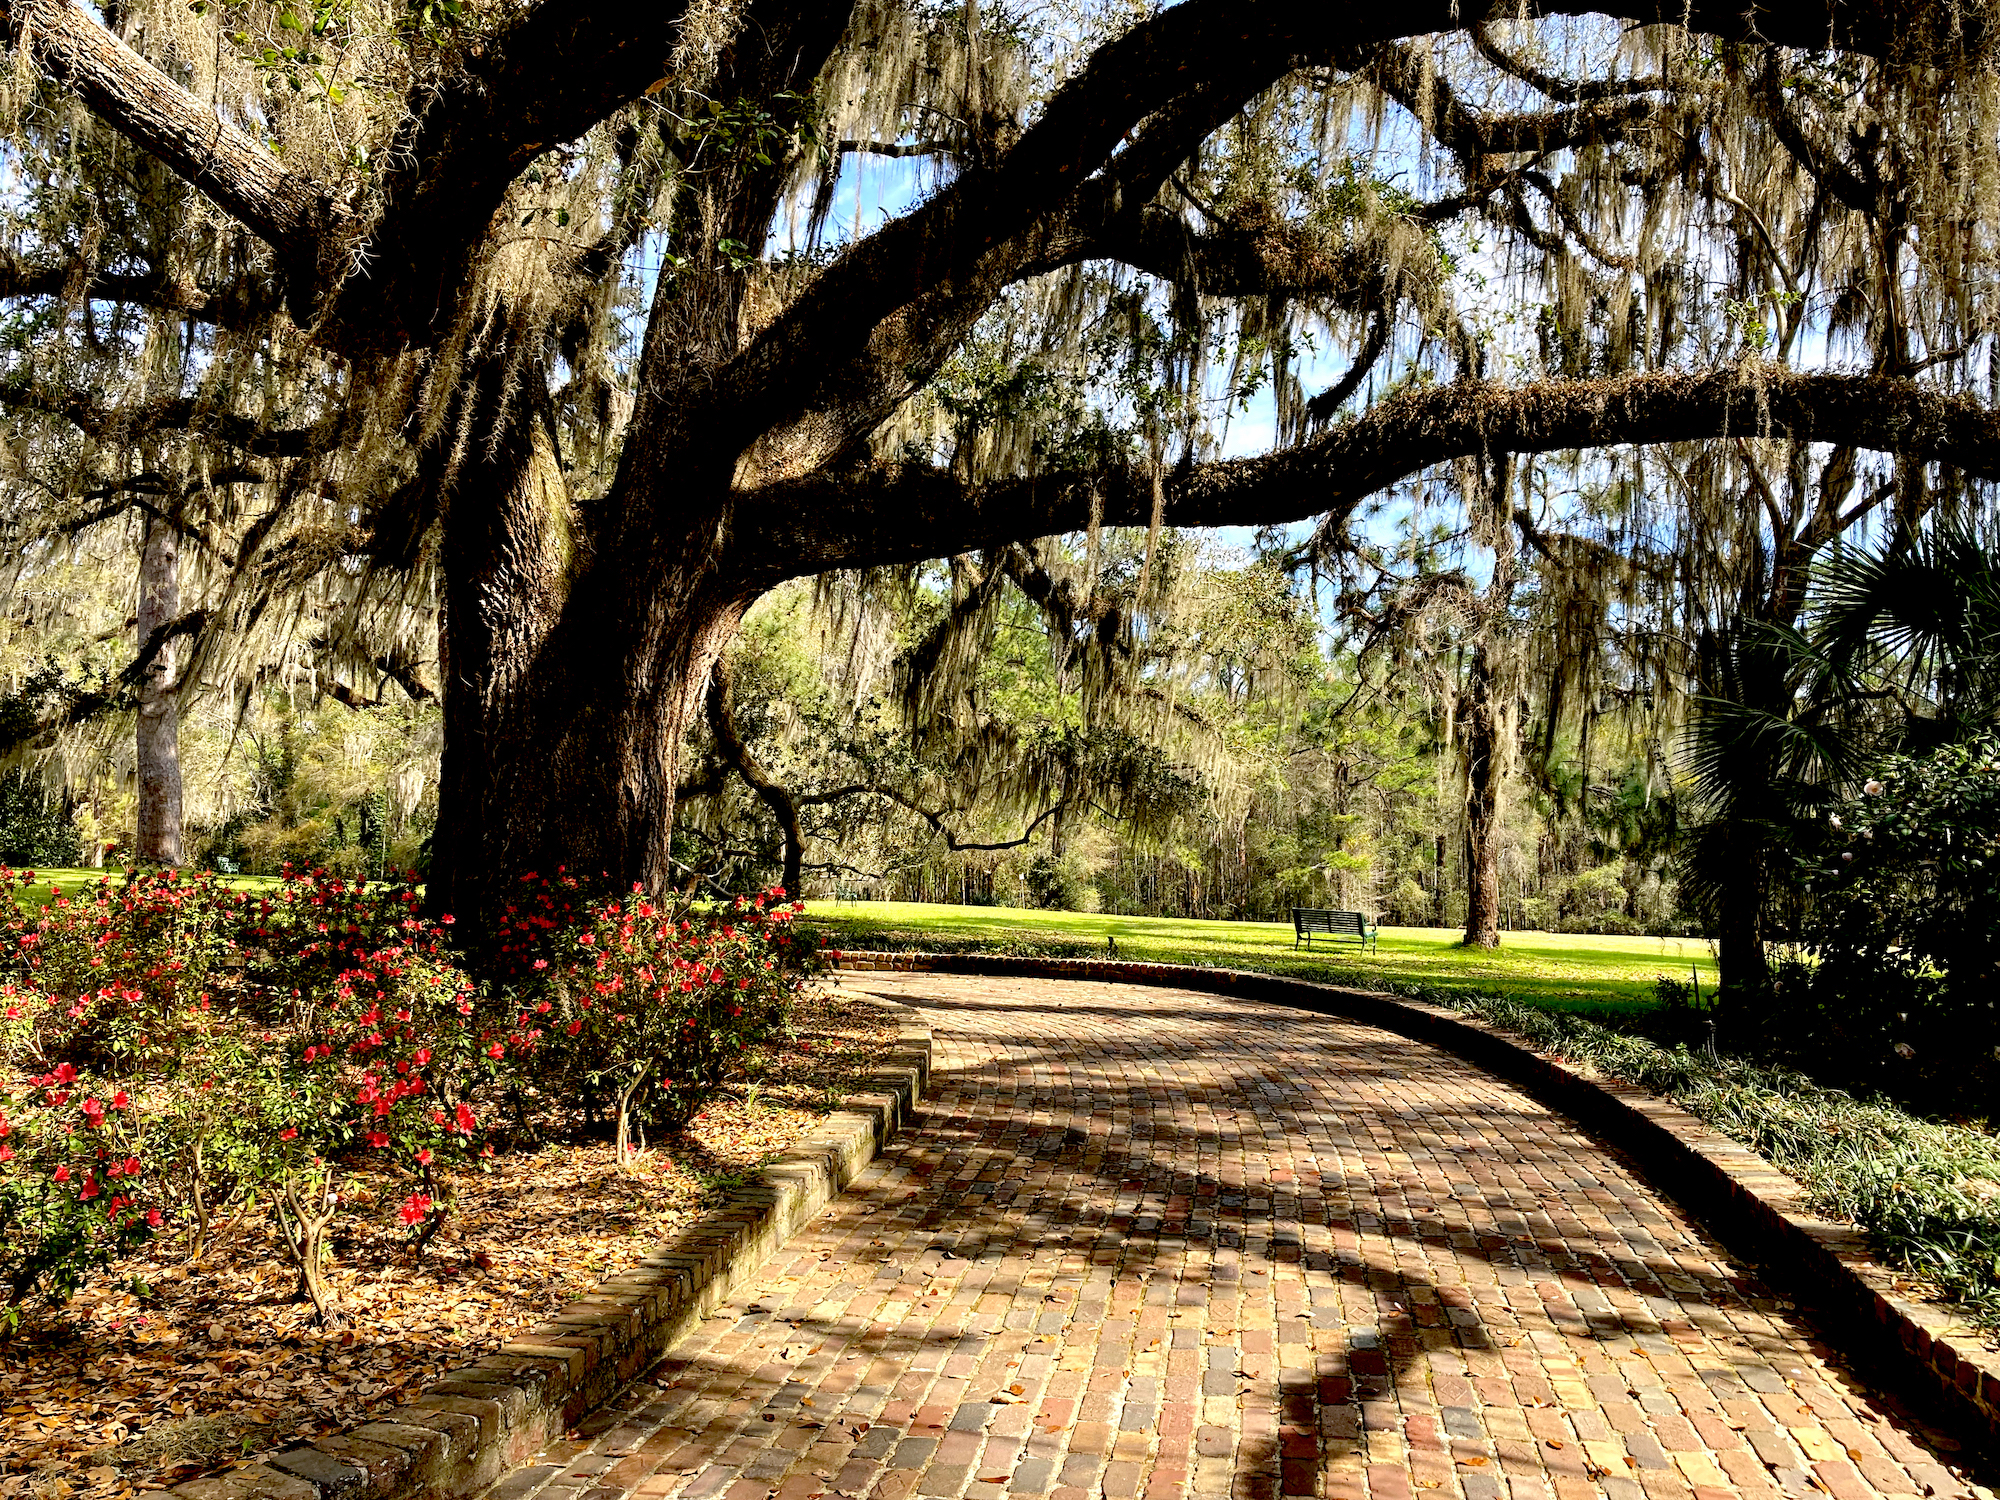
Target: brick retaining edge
<point>1752,1206</point>
<point>474,1425</point>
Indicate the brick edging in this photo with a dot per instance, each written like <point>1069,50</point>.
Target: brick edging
<point>1757,1209</point>
<point>473,1425</point>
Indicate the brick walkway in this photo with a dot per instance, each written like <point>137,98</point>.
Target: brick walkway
<point>1151,1244</point>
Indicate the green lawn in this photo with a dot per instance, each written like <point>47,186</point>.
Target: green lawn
<point>69,882</point>
<point>1584,973</point>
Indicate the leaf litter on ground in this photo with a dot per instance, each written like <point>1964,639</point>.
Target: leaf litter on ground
<point>158,1371</point>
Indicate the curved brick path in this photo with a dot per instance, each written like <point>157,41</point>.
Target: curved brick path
<point>1150,1243</point>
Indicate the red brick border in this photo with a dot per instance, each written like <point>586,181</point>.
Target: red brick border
<point>478,1422</point>
<point>1754,1207</point>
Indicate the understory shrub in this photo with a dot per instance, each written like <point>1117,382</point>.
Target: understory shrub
<point>170,1046</point>
<point>640,1009</point>
<point>1899,985</point>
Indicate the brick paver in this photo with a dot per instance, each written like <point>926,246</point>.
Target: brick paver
<point>1144,1243</point>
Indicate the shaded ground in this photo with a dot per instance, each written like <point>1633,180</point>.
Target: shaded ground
<point>1150,1243</point>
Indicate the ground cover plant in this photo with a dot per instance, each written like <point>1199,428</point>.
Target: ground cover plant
<point>239,1113</point>
<point>1926,1190</point>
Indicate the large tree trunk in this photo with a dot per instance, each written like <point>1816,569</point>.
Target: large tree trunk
<point>1485,778</point>
<point>573,665</point>
<point>159,733</point>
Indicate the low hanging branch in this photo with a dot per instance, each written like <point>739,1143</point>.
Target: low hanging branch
<point>770,791</point>
<point>910,512</point>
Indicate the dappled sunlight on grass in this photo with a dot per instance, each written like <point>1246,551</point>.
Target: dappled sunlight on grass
<point>1570,972</point>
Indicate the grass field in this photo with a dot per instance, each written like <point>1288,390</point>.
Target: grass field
<point>1562,971</point>
<point>69,882</point>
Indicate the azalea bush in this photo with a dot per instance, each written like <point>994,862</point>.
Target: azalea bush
<point>121,963</point>
<point>74,1188</point>
<point>170,1046</point>
<point>641,1009</point>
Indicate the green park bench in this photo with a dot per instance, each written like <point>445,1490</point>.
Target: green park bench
<point>1311,921</point>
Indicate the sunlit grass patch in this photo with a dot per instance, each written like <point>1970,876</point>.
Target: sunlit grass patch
<point>1559,970</point>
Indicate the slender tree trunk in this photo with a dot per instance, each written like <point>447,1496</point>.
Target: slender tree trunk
<point>159,732</point>
<point>1485,780</point>
<point>773,793</point>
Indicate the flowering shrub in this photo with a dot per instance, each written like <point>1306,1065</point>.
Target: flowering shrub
<point>643,1009</point>
<point>168,1043</point>
<point>357,1035</point>
<point>75,1192</point>
<point>125,961</point>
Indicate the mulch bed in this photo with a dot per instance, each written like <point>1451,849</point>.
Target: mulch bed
<point>158,1372</point>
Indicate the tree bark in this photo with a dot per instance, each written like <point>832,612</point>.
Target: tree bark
<point>505,560</point>
<point>1744,966</point>
<point>158,740</point>
<point>774,794</point>
<point>1485,781</point>
<point>573,664</point>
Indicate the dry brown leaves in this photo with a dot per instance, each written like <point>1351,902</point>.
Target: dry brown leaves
<point>160,1371</point>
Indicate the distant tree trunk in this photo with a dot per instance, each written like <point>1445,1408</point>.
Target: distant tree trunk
<point>1739,932</point>
<point>1487,726</point>
<point>774,794</point>
<point>1485,775</point>
<point>159,733</point>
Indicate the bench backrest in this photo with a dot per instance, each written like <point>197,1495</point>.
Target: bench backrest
<point>1315,919</point>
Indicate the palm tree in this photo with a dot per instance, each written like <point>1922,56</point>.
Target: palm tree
<point>1918,620</point>
<point>1902,653</point>
<point>1770,746</point>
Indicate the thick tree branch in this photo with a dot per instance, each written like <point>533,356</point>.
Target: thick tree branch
<point>563,68</point>
<point>90,414</point>
<point>288,211</point>
<point>773,793</point>
<point>541,83</point>
<point>1247,254</point>
<point>242,305</point>
<point>910,513</point>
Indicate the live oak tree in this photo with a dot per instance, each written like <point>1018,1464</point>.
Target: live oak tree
<point>434,225</point>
